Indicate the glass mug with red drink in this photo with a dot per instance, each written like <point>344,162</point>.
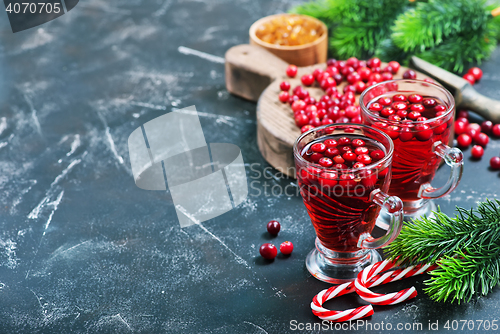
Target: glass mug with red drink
<point>343,172</point>
<point>418,116</point>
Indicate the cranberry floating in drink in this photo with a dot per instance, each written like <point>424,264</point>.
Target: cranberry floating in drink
<point>343,172</point>
<point>420,132</point>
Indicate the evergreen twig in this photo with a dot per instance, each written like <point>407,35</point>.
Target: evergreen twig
<point>466,248</point>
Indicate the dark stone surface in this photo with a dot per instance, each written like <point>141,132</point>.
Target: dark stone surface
<point>83,250</point>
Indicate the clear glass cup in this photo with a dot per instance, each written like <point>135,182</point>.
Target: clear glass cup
<point>419,146</point>
<point>343,204</point>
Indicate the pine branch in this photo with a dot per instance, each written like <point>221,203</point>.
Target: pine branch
<point>466,248</point>
<point>430,23</point>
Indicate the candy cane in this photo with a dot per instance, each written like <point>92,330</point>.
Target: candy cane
<point>371,276</point>
<point>338,316</point>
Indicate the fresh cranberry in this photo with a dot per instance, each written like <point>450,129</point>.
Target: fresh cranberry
<point>291,71</point>
<point>424,132</point>
<point>495,163</point>
<point>347,180</point>
<point>395,118</point>
<point>417,107</point>
<point>496,130</point>
<point>385,101</point>
<point>349,156</point>
<point>386,76</point>
<point>307,79</point>
<point>318,147</point>
<point>338,159</point>
<point>358,165</point>
<point>285,86</point>
<point>373,62</point>
<point>332,152</point>
<point>464,140</point>
<point>301,120</point>
<point>315,122</point>
<point>463,114</point>
<point>409,74</point>
<point>286,248</point>
<point>414,115</point>
<point>439,108</point>
<point>429,103</point>
<point>377,155</point>
<point>387,69</point>
<point>347,70</point>
<point>360,87</point>
<point>473,130</point>
<point>402,113</point>
<point>477,152</point>
<point>399,106</point>
<point>364,159</point>
<point>273,227</point>
<point>364,73</point>
<point>298,105</point>
<point>268,251</point>
<point>358,142</point>
<point>344,141</point>
<point>375,77</point>
<point>361,150</point>
<point>326,162</point>
<point>476,73</point>
<point>284,96</point>
<point>327,83</point>
<point>311,108</point>
<point>315,157</point>
<point>399,98</point>
<point>326,121</point>
<point>482,139</point>
<point>387,111</point>
<point>375,106</point>
<point>406,134</point>
<point>487,126</point>
<point>338,78</point>
<point>392,131</point>
<point>331,62</point>
<point>395,66</point>
<point>470,78</point>
<point>306,128</point>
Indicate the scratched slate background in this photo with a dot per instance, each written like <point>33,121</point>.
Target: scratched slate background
<point>83,250</point>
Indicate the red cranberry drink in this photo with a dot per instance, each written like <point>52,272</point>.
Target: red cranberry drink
<point>418,116</point>
<point>343,172</point>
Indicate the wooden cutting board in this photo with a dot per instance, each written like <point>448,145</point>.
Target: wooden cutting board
<point>255,74</point>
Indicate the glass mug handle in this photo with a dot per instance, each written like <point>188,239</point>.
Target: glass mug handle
<point>453,158</point>
<point>394,207</point>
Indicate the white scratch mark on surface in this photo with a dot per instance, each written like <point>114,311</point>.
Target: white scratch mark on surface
<point>3,124</point>
<point>75,246</point>
<point>54,204</point>
<point>119,317</point>
<point>33,114</point>
<point>188,51</point>
<point>256,326</point>
<point>9,248</point>
<point>148,105</point>
<point>111,142</point>
<point>163,9</point>
<point>277,179</point>
<point>74,145</point>
<point>2,145</point>
<point>39,301</point>
<point>65,171</point>
<point>238,258</point>
<point>23,192</point>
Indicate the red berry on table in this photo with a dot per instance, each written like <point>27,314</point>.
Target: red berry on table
<point>373,62</point>
<point>286,248</point>
<point>386,76</point>
<point>317,72</point>
<point>284,96</point>
<point>301,120</point>
<point>470,78</point>
<point>496,130</point>
<point>331,62</point>
<point>353,77</point>
<point>285,86</point>
<point>463,114</point>
<point>487,126</point>
<point>395,66</point>
<point>473,130</point>
<point>476,72</point>
<point>307,79</point>
<point>306,128</point>
<point>375,77</point>
<point>291,71</point>
<point>464,140</point>
<point>477,152</point>
<point>495,163</point>
<point>460,127</point>
<point>273,227</point>
<point>409,74</point>
<point>364,73</point>
<point>482,139</point>
<point>268,251</point>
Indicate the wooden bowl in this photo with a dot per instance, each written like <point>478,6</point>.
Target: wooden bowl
<point>300,55</point>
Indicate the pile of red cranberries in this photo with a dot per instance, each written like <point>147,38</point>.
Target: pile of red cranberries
<point>468,133</point>
<point>269,251</point>
<point>335,106</point>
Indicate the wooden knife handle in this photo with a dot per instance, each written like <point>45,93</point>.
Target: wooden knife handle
<point>250,69</point>
<point>484,106</point>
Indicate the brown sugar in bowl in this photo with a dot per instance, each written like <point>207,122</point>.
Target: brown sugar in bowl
<point>301,55</point>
